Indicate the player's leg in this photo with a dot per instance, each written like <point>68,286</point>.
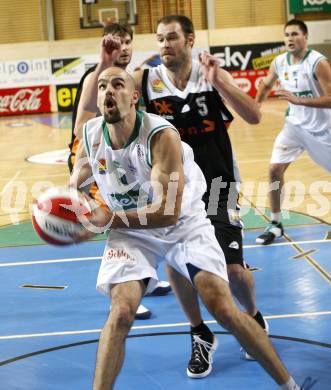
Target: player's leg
<point>186,294</point>
<point>287,148</point>
<point>203,341</point>
<point>276,180</point>
<point>228,231</point>
<point>318,147</point>
<point>127,271</point>
<point>125,301</point>
<point>216,295</point>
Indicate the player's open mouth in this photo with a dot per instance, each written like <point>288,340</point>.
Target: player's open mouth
<point>110,104</point>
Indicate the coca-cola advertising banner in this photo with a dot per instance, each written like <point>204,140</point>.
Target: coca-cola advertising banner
<point>244,57</point>
<point>25,72</point>
<point>29,100</point>
<point>248,80</point>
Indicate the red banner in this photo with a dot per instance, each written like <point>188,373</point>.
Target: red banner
<point>248,80</point>
<point>29,100</point>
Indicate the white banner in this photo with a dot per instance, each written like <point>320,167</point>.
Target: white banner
<point>25,73</point>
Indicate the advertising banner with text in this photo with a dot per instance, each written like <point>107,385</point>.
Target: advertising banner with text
<point>248,81</point>
<point>65,96</point>
<point>25,72</point>
<point>243,57</point>
<point>29,100</point>
<point>302,6</point>
<point>248,63</point>
<point>69,70</point>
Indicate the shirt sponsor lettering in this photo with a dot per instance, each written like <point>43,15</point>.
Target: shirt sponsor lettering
<point>114,255</point>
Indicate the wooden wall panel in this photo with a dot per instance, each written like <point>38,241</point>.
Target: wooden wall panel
<point>199,14</point>
<point>66,17</point>
<point>22,21</point>
<point>245,13</point>
<point>150,11</point>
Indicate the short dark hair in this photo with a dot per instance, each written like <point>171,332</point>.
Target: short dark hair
<point>297,22</point>
<point>185,23</point>
<point>118,28</point>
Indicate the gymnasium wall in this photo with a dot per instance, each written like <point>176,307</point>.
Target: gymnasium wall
<point>26,21</point>
<point>42,75</point>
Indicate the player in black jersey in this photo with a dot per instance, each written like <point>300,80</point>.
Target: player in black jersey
<point>190,94</point>
<point>116,49</point>
<point>209,137</point>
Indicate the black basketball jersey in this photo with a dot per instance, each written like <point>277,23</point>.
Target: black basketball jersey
<point>201,118</point>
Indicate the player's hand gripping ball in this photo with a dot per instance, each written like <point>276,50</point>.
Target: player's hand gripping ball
<point>57,215</point>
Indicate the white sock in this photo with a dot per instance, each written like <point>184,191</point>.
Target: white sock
<point>290,385</point>
<point>276,217</point>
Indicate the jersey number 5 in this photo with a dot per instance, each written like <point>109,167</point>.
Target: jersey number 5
<point>201,103</point>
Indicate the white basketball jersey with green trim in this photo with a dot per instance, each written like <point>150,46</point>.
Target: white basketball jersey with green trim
<point>300,79</point>
<point>123,175</point>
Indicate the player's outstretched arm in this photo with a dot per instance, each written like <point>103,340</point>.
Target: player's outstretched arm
<point>223,82</point>
<point>81,177</point>
<point>137,77</point>
<point>83,115</point>
<point>266,84</point>
<point>110,50</point>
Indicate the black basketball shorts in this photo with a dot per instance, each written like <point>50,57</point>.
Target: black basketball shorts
<point>229,233</point>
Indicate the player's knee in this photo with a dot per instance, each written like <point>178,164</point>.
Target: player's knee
<point>276,171</point>
<point>225,315</point>
<point>221,306</point>
<point>236,272</point>
<point>121,317</point>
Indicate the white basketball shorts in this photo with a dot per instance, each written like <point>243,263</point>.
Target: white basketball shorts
<point>135,254</point>
<point>292,141</point>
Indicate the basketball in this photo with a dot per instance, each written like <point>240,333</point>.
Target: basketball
<point>56,213</point>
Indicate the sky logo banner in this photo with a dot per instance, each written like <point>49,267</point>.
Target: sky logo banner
<point>247,57</point>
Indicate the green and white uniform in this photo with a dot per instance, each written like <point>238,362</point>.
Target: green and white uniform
<point>305,128</point>
<point>123,178</point>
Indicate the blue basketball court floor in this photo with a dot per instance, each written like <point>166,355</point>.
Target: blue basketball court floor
<point>49,336</point>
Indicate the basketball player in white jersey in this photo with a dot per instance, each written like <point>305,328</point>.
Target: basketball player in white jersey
<point>153,189</point>
<point>115,49</point>
<point>305,77</point>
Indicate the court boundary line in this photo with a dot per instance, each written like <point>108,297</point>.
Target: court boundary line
<point>156,326</point>
<point>94,258</point>
<point>314,264</point>
<point>132,336</point>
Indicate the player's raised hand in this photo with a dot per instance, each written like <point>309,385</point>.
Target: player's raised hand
<point>209,65</point>
<point>213,73</point>
<point>110,49</point>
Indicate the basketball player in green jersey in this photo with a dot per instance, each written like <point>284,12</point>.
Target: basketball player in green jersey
<point>305,77</point>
